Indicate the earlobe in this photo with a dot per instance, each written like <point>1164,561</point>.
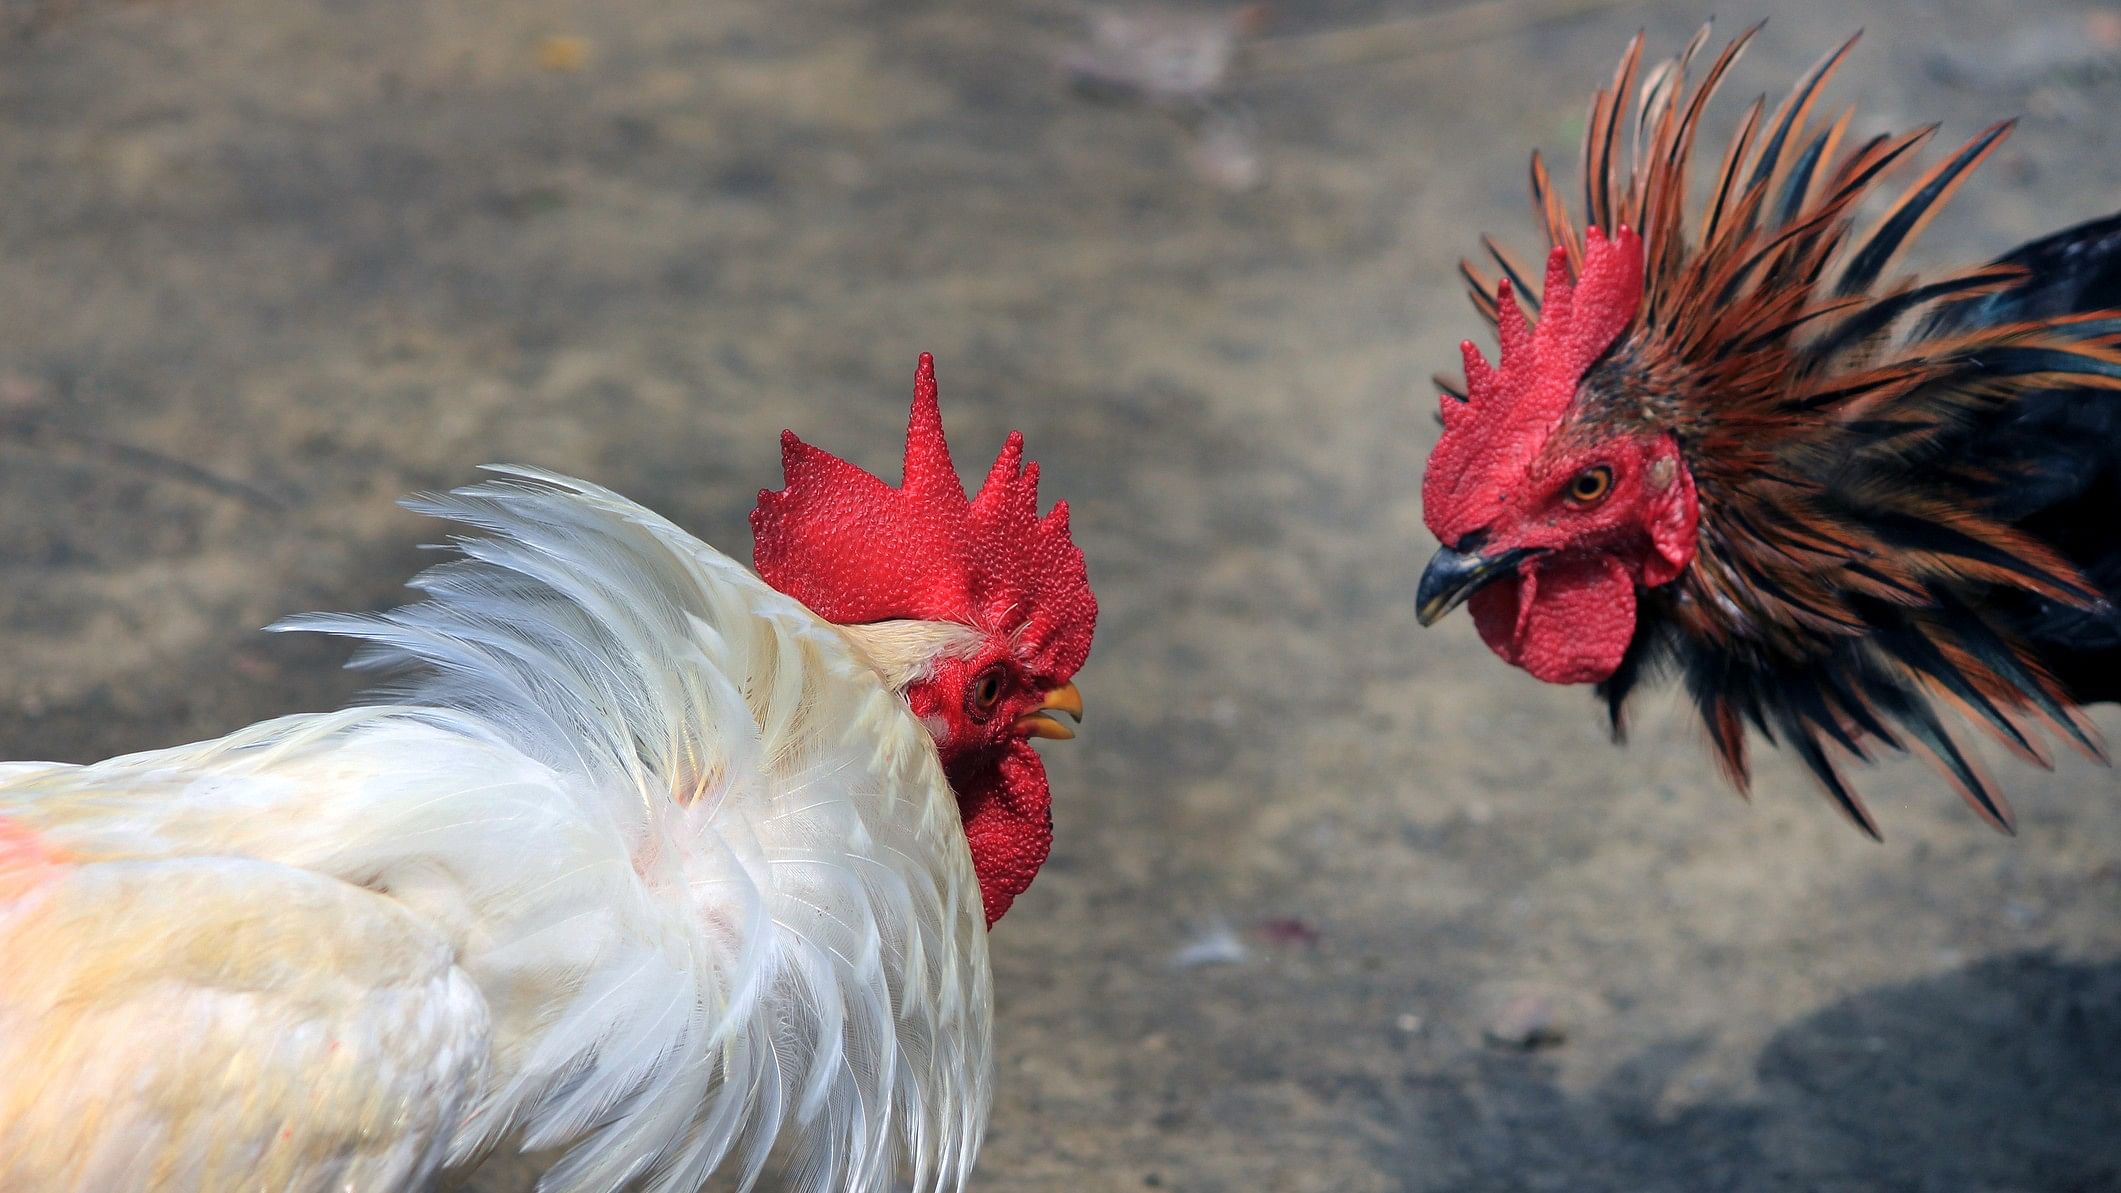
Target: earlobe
<point>1674,513</point>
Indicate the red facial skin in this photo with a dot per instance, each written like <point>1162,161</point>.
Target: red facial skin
<point>1568,614</point>
<point>856,551</point>
<point>1515,471</point>
<point>999,779</point>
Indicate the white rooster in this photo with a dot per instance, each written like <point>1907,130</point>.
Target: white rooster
<point>645,860</point>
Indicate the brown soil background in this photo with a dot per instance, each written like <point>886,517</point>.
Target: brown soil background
<point>270,264</point>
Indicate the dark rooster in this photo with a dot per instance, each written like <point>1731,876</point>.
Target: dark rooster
<point>1741,448</point>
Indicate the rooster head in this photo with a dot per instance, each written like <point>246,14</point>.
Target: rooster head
<point>1551,511</point>
<point>978,610</point>
<point>1740,445</point>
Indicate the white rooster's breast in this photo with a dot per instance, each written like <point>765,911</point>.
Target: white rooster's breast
<point>754,932</point>
<point>699,866</point>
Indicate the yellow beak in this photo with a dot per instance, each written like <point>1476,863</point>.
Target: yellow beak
<point>1042,723</point>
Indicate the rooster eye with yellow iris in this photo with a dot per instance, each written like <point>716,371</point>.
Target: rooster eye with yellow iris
<point>1591,485</point>
<point>985,694</point>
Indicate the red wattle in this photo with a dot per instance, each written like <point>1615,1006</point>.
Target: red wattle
<point>1566,619</point>
<point>1008,814</point>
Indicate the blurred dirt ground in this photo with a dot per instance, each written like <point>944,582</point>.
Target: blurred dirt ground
<point>270,264</point>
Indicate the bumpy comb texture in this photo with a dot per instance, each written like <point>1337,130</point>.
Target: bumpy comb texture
<point>1491,436</point>
<point>856,550</point>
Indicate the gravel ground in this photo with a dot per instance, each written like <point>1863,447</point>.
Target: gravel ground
<point>1338,903</point>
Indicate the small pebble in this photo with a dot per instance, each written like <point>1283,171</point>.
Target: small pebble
<point>1160,53</point>
<point>1215,943</point>
<point>1289,930</point>
<point>564,55</point>
<point>1526,1023</point>
<point>1225,151</point>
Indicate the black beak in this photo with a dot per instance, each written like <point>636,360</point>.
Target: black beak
<point>1452,576</point>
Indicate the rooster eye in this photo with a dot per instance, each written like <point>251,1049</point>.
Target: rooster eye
<point>1591,485</point>
<point>984,694</point>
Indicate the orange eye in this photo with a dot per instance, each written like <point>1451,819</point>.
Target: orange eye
<point>1591,485</point>
<point>984,695</point>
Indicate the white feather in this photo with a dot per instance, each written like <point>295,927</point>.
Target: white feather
<point>697,860</point>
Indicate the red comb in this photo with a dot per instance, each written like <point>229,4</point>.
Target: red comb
<point>1510,410</point>
<point>856,550</point>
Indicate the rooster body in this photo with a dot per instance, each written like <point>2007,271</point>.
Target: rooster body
<point>2057,451</point>
<point>1734,445</point>
<point>651,863</point>
<point>643,859</point>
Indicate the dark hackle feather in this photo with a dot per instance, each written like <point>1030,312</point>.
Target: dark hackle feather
<point>1859,561</point>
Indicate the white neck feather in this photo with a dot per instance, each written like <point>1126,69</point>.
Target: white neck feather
<point>906,652</point>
